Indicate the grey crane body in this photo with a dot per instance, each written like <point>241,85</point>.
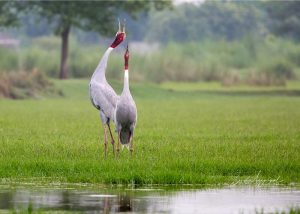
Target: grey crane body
<point>126,115</point>
<point>102,95</point>
<point>126,112</point>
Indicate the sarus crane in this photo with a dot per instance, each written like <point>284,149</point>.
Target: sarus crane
<point>102,95</point>
<point>126,112</point>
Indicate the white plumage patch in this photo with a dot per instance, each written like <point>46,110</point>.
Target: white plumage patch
<point>126,74</point>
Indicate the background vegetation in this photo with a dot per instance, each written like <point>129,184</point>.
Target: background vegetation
<point>270,61</point>
<point>231,42</point>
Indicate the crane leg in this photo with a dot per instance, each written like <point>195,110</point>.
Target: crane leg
<point>118,146</point>
<point>131,141</point>
<point>104,121</point>
<point>105,141</point>
<point>112,138</point>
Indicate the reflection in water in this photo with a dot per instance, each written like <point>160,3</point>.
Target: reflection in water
<point>228,200</point>
<point>125,203</point>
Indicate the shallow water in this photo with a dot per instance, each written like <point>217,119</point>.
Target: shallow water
<point>104,200</point>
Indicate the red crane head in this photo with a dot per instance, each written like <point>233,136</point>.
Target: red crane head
<point>126,58</point>
<point>120,36</point>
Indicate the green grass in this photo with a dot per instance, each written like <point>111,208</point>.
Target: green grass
<point>183,136</point>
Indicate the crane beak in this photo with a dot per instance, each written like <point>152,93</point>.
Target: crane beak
<point>119,24</point>
<point>120,35</point>
<point>126,58</point>
<point>123,26</point>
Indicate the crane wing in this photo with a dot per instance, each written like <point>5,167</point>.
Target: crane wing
<point>103,97</point>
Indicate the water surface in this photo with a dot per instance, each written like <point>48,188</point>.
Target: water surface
<point>105,200</point>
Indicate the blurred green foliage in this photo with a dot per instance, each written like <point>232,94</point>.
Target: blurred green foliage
<point>8,13</point>
<point>285,18</point>
<point>212,19</point>
<point>88,15</point>
<point>229,42</point>
<point>260,62</point>
<point>228,20</point>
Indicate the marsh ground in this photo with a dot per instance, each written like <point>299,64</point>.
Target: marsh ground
<point>186,134</point>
